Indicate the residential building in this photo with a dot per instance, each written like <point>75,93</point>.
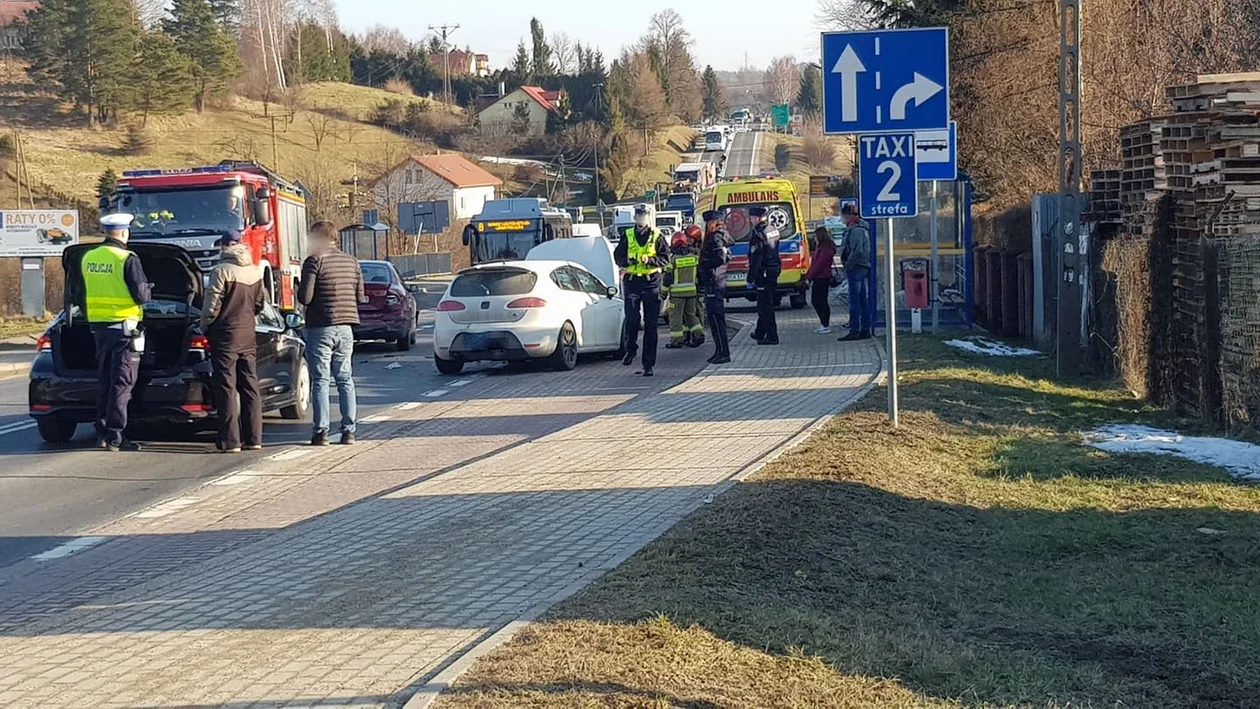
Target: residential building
<point>448,177</point>
<point>503,113</point>
<point>463,63</point>
<point>13,23</point>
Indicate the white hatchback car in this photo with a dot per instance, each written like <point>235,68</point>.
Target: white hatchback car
<point>542,308</point>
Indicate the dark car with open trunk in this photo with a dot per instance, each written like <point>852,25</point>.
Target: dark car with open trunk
<point>175,371</point>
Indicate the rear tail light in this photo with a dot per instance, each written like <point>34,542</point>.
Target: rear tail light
<point>199,343</point>
<point>43,344</point>
<point>197,408</point>
<point>447,306</point>
<point>527,303</point>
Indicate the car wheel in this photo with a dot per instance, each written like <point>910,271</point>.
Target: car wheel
<point>448,366</point>
<point>415,333</point>
<point>302,387</point>
<point>403,343</point>
<point>55,430</point>
<point>797,300</point>
<point>566,355</point>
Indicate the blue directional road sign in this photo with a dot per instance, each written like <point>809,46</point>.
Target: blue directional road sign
<point>937,152</point>
<point>886,170</point>
<point>885,81</point>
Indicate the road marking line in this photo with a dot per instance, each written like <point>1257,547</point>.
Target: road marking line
<point>167,508</point>
<point>70,547</point>
<point>461,383</point>
<point>436,393</point>
<point>375,419</point>
<point>292,454</point>
<point>238,478</point>
<point>16,427</point>
<point>408,406</point>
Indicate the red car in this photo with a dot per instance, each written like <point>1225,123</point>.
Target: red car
<point>390,312</point>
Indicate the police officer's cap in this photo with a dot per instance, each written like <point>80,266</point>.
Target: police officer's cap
<point>116,222</point>
<point>756,211</point>
<point>711,216</point>
<point>640,209</point>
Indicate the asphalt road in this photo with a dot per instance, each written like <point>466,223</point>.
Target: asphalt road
<point>51,492</point>
<point>741,160</point>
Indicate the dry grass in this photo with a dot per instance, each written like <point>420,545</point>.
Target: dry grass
<point>978,555</point>
<point>796,168</point>
<point>668,146</point>
<point>22,327</point>
<point>400,87</point>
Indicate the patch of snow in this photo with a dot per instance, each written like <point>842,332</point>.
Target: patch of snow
<point>511,161</point>
<point>993,348</point>
<point>1238,457</point>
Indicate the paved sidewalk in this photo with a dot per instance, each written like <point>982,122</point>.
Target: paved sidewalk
<point>351,577</point>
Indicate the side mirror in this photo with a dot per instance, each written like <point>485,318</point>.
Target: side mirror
<point>414,288</point>
<point>262,212</point>
<point>293,320</point>
<point>470,232</point>
<point>612,291</point>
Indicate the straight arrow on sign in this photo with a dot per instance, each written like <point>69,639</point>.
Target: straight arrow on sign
<point>848,67</point>
<point>919,90</point>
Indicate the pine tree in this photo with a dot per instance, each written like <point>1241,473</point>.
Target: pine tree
<point>85,48</point>
<point>435,45</point>
<point>210,48</point>
<point>520,65</point>
<point>542,64</point>
<point>809,101</point>
<point>617,156</point>
<point>106,183</point>
<point>227,13</point>
<point>715,103</point>
<point>161,78</point>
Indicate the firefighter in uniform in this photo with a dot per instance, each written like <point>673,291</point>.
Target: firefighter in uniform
<point>685,328</point>
<point>715,254</point>
<point>695,236</point>
<point>115,289</point>
<point>643,253</point>
<point>763,274</point>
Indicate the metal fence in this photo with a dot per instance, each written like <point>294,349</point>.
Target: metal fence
<point>414,265</point>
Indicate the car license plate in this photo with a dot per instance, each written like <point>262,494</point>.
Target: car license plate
<point>476,341</point>
<point>736,277</point>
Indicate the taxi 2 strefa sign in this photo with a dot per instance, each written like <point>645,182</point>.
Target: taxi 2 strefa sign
<point>37,232</point>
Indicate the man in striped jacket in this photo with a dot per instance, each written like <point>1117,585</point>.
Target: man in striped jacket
<point>331,289</point>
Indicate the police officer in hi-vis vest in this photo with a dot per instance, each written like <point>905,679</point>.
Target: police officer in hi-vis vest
<point>643,253</point>
<point>114,291</point>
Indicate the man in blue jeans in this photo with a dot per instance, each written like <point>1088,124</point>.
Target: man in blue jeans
<point>331,289</point>
<point>855,254</point>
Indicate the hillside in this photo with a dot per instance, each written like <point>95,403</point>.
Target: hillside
<point>321,140</point>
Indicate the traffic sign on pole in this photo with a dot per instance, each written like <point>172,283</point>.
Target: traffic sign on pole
<point>886,169</point>
<point>937,152</point>
<point>885,81</point>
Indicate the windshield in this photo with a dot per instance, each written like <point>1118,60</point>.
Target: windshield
<point>479,284</point>
<point>375,272</point>
<point>682,202</point>
<point>175,211</point>
<point>714,136</point>
<point>780,215</point>
<point>503,246</point>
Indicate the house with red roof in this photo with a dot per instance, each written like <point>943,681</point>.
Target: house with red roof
<point>528,104</point>
<point>13,23</point>
<point>447,177</point>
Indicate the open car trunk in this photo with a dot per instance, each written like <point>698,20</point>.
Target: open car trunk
<point>170,318</point>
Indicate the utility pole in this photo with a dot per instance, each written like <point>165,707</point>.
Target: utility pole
<point>1067,242</point>
<point>445,31</point>
<point>599,108</point>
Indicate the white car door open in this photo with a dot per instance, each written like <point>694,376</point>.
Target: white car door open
<point>604,308</point>
<point>581,308</point>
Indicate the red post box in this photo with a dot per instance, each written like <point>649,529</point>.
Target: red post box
<point>914,282</point>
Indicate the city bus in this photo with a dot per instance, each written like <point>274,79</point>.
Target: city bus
<point>783,212</point>
<point>506,229</point>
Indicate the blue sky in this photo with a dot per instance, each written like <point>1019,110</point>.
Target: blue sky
<point>723,30</point>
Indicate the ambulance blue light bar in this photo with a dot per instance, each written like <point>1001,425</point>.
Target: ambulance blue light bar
<point>214,169</point>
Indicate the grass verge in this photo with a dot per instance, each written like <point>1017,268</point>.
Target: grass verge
<point>21,327</point>
<point>979,555</point>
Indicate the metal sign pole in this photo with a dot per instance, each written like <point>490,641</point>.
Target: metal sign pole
<point>890,322</point>
<point>934,290</point>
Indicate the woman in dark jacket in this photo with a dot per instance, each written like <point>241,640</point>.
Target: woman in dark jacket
<point>819,277</point>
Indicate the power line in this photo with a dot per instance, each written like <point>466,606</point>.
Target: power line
<point>446,31</point>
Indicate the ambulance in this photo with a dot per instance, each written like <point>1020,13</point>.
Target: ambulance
<point>783,212</point>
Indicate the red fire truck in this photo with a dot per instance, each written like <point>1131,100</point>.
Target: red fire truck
<point>193,207</point>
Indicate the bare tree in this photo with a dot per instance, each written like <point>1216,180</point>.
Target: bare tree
<point>322,127</point>
<point>669,44</point>
<point>845,15</point>
<point>563,53</point>
<point>263,36</point>
<point>782,80</point>
<point>385,39</point>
